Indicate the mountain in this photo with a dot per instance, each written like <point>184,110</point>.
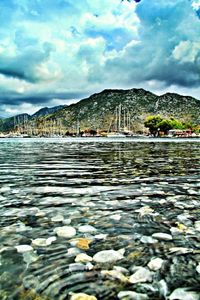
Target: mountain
<point>8,124</point>
<point>47,111</point>
<point>98,110</point>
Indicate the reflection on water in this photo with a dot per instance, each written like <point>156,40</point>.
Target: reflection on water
<point>122,196</point>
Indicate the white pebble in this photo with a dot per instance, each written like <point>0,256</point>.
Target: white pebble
<point>115,217</point>
<point>107,256</point>
<point>130,295</point>
<point>162,236</point>
<point>155,264</point>
<point>141,275</point>
<point>57,218</point>
<point>197,225</point>
<point>24,248</point>
<point>82,257</point>
<point>87,229</point>
<point>198,268</point>
<point>65,231</point>
<point>184,294</point>
<point>148,240</point>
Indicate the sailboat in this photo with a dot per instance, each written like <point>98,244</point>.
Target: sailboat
<point>121,120</point>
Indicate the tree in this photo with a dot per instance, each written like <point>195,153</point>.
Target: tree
<point>176,124</point>
<point>165,125</point>
<point>153,123</point>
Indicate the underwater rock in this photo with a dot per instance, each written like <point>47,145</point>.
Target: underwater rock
<point>89,266</point>
<point>197,225</point>
<point>184,219</point>
<point>145,210</point>
<point>148,240</point>
<point>83,243</point>
<point>30,257</point>
<point>107,256</point>
<point>162,236</point>
<point>180,250</point>
<point>67,221</point>
<point>57,218</point>
<point>155,264</point>
<point>23,248</point>
<point>87,229</point>
<point>141,275</point>
<point>82,257</point>
<point>163,288</point>
<point>73,251</point>
<point>114,274</point>
<point>184,294</point>
<point>115,217</point>
<point>40,242</point>
<point>75,267</point>
<point>82,296</point>
<point>121,269</point>
<point>101,236</point>
<point>130,295</point>
<point>198,268</point>
<point>65,231</point>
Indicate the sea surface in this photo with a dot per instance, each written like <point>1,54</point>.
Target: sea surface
<point>64,201</point>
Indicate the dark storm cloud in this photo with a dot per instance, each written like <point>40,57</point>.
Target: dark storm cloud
<point>168,46</point>
<point>23,65</point>
<point>36,99</point>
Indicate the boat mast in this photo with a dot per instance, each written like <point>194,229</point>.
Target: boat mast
<point>116,119</point>
<point>119,124</point>
<point>124,118</point>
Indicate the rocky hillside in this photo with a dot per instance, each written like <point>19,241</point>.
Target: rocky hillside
<point>47,111</point>
<point>7,124</point>
<point>98,110</point>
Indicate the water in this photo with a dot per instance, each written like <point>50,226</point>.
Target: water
<point>126,189</point>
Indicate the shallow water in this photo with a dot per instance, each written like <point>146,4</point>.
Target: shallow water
<point>126,189</point>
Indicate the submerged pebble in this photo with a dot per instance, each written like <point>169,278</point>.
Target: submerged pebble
<point>148,240</point>
<point>24,248</point>
<point>115,217</point>
<point>155,264</point>
<point>87,229</point>
<point>130,295</point>
<point>141,275</point>
<point>162,236</point>
<point>75,267</point>
<point>82,257</point>
<point>107,256</point>
<point>198,268</point>
<point>197,225</point>
<point>83,243</point>
<point>57,218</point>
<point>40,242</point>
<point>184,294</point>
<point>65,231</point>
<point>82,296</point>
<point>114,274</point>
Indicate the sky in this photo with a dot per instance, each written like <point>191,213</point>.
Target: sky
<point>56,52</point>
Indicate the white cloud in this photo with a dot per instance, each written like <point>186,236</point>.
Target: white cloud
<point>65,49</point>
<point>186,51</point>
<point>196,4</point>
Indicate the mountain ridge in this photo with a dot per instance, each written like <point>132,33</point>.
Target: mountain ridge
<point>97,110</point>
